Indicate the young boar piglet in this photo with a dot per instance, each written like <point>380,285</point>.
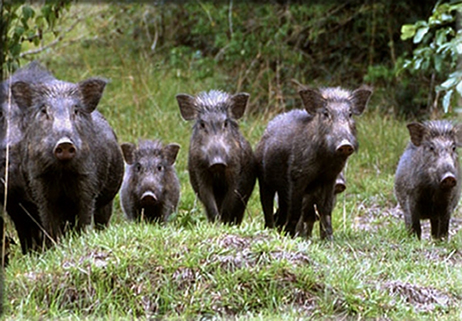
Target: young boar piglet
<point>150,190</point>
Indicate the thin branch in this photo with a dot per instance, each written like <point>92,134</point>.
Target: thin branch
<point>51,44</point>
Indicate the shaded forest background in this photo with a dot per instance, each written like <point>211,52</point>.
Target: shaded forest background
<point>266,48</point>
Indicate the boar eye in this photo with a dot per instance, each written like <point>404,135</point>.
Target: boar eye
<point>453,148</point>
<point>43,111</point>
<point>225,124</point>
<point>138,167</point>
<point>325,113</point>
<point>160,168</point>
<point>202,125</point>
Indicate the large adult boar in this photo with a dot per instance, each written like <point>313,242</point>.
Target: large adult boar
<point>71,161</point>
<point>428,178</point>
<point>150,188</point>
<point>221,162</point>
<point>19,205</point>
<point>302,153</point>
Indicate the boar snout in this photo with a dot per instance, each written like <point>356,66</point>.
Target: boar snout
<point>65,150</point>
<point>448,181</point>
<point>148,198</point>
<point>218,164</point>
<point>345,148</point>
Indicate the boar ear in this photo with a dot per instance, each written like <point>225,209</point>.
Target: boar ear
<point>238,104</point>
<point>128,150</point>
<point>458,134</point>
<point>416,131</point>
<point>91,91</point>
<point>360,98</point>
<point>170,152</point>
<point>187,106</point>
<point>312,100</point>
<point>23,94</point>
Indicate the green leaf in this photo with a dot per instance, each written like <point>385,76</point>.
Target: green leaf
<point>30,35</point>
<point>441,36</point>
<point>407,31</point>
<point>450,82</point>
<point>39,21</point>
<point>446,17</point>
<point>46,10</point>
<point>27,12</point>
<point>459,88</point>
<point>459,48</point>
<point>438,60</point>
<point>15,49</point>
<point>417,63</point>
<point>421,32</point>
<point>456,74</point>
<point>441,17</point>
<point>447,100</point>
<point>19,31</point>
<point>51,20</point>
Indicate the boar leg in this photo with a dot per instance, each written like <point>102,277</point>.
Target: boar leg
<point>267,203</point>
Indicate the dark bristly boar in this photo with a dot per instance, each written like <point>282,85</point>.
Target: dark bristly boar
<point>150,188</point>
<point>221,162</point>
<point>302,153</point>
<point>304,230</point>
<point>71,160</point>
<point>428,178</point>
<point>19,205</point>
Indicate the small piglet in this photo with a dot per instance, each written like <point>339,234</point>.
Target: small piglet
<point>221,162</point>
<point>150,188</point>
<point>428,179</point>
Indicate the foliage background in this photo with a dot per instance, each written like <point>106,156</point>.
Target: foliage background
<point>259,47</point>
<point>262,47</point>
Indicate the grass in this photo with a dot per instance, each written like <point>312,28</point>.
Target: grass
<point>191,269</point>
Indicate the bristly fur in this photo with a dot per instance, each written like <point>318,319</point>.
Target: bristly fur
<point>78,191</point>
<point>212,101</point>
<point>149,148</point>
<point>336,94</point>
<point>436,128</point>
<point>419,186</point>
<point>58,89</point>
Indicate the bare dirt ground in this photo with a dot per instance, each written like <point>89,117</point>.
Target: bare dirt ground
<point>374,217</point>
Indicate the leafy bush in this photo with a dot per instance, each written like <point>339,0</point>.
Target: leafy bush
<point>21,22</point>
<point>439,46</point>
<point>262,47</point>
